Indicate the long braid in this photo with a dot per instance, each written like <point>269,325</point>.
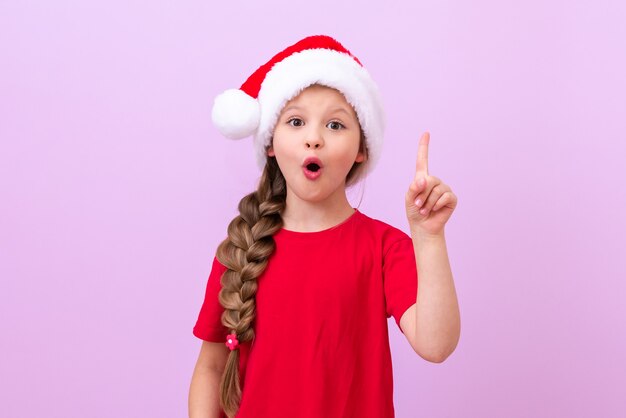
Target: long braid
<point>245,254</point>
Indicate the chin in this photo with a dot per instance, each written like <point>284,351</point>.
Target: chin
<point>312,196</point>
<point>316,194</point>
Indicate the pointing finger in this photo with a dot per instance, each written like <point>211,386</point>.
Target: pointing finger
<point>421,165</point>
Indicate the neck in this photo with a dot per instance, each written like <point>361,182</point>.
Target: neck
<point>310,216</point>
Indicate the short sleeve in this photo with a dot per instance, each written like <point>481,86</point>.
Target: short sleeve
<point>209,323</point>
<point>400,278</point>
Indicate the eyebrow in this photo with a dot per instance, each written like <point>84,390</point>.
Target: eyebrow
<point>337,109</point>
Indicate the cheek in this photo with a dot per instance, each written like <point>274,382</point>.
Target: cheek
<point>283,151</point>
<point>346,154</point>
<point>286,156</point>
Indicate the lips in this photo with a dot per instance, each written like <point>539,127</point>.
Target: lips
<point>312,163</point>
<point>312,167</point>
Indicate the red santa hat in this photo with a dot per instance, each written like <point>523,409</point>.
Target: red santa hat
<point>254,108</point>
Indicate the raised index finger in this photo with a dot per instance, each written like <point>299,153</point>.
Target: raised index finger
<point>422,154</point>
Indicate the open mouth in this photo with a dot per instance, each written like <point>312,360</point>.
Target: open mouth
<point>312,171</point>
<point>313,167</point>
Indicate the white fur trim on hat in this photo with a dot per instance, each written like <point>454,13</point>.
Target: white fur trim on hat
<point>331,68</point>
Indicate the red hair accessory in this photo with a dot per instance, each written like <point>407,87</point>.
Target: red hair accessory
<point>231,341</point>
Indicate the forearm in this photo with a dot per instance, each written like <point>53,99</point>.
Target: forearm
<point>204,393</point>
<point>438,324</point>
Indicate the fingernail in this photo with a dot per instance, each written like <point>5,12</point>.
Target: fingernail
<point>418,202</point>
<point>423,211</point>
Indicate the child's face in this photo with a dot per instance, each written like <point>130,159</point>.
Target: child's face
<point>323,125</point>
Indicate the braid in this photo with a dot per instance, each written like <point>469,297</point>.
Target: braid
<point>245,254</point>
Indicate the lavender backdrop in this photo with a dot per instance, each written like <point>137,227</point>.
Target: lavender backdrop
<point>116,190</point>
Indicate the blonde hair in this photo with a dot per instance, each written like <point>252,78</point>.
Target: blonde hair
<point>245,253</point>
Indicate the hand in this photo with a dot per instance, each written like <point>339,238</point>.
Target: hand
<point>436,200</point>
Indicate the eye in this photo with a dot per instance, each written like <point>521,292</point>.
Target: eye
<point>298,119</point>
<point>337,123</point>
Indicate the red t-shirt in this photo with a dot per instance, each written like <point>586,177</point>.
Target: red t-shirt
<point>321,346</point>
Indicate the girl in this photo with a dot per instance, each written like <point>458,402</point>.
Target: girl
<point>294,319</point>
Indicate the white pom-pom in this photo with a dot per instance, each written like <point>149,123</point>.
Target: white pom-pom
<point>235,114</point>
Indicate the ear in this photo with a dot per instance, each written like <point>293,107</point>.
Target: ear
<point>270,151</point>
<point>360,157</point>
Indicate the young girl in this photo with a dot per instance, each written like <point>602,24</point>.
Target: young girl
<point>294,319</point>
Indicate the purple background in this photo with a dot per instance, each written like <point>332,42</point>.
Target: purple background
<point>116,190</point>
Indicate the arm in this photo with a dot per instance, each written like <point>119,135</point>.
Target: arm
<point>433,324</point>
<point>204,388</point>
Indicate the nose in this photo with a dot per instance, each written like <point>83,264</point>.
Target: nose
<point>315,141</point>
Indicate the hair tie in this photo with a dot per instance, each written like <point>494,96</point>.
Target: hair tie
<point>231,341</point>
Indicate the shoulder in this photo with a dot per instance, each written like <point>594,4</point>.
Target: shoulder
<point>387,234</point>
<point>217,268</point>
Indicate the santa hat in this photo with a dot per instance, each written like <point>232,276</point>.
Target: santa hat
<point>254,108</point>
